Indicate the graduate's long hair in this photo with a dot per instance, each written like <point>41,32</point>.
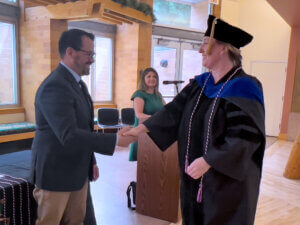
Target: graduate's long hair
<point>233,53</point>
<point>143,86</point>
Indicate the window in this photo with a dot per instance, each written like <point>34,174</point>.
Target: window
<point>8,65</point>
<point>182,13</point>
<point>175,59</point>
<point>100,81</point>
<point>9,2</point>
<point>172,13</point>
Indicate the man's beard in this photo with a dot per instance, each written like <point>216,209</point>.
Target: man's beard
<point>86,70</point>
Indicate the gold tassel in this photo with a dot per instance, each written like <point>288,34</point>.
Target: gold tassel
<point>212,32</point>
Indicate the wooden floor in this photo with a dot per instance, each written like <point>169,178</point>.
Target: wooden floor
<point>279,201</point>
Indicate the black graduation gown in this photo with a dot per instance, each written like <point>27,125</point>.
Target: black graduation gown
<point>235,150</point>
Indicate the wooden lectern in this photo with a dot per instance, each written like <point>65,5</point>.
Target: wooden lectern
<point>157,180</point>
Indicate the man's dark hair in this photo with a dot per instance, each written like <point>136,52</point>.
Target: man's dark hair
<point>72,38</point>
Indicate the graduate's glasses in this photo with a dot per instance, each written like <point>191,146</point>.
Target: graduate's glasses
<point>88,53</point>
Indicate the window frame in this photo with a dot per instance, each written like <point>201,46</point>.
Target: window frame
<point>87,27</point>
<point>112,37</point>
<point>10,3</point>
<point>17,91</point>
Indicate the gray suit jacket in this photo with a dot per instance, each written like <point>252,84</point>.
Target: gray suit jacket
<point>64,143</point>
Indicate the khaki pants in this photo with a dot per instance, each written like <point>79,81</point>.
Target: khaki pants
<point>60,208</point>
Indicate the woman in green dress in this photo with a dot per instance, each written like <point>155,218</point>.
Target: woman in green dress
<point>147,100</point>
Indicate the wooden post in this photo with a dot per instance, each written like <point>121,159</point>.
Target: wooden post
<point>145,45</point>
<point>217,9</point>
<point>292,169</point>
<point>144,48</point>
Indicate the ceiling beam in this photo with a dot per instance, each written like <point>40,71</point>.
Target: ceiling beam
<point>288,10</point>
<point>106,10</point>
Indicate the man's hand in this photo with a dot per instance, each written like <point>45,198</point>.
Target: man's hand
<point>124,130</point>
<point>123,140</point>
<point>96,172</point>
<point>136,131</point>
<point>198,168</point>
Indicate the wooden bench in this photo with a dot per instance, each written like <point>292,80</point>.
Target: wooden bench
<point>16,131</point>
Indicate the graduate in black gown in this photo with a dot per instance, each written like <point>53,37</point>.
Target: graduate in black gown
<point>218,121</point>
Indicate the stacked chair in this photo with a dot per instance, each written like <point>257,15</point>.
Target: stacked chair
<point>127,117</point>
<point>109,118</point>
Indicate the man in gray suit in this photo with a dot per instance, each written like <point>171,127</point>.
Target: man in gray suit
<point>64,145</point>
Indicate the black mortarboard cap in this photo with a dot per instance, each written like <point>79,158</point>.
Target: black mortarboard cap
<point>227,33</point>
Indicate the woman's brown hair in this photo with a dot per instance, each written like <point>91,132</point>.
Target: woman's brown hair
<point>143,86</point>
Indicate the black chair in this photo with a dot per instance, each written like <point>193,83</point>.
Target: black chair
<point>127,117</point>
<point>108,118</point>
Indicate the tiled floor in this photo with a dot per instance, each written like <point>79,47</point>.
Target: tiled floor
<point>116,172</point>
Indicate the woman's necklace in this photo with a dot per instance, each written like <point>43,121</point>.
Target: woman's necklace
<point>199,195</point>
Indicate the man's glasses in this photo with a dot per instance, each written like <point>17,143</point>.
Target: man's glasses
<point>88,53</point>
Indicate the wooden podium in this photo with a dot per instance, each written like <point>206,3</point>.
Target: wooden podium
<point>157,180</point>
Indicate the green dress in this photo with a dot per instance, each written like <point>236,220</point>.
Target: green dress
<point>153,103</point>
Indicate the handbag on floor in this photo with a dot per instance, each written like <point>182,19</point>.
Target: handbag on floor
<point>131,190</point>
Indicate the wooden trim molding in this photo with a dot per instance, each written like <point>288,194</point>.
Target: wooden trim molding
<point>109,105</point>
<point>12,110</point>
<point>282,136</point>
<point>15,137</point>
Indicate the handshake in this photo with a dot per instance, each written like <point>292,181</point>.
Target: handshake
<point>128,135</point>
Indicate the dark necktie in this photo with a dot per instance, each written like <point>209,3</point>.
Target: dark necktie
<point>88,100</point>
<point>85,92</point>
